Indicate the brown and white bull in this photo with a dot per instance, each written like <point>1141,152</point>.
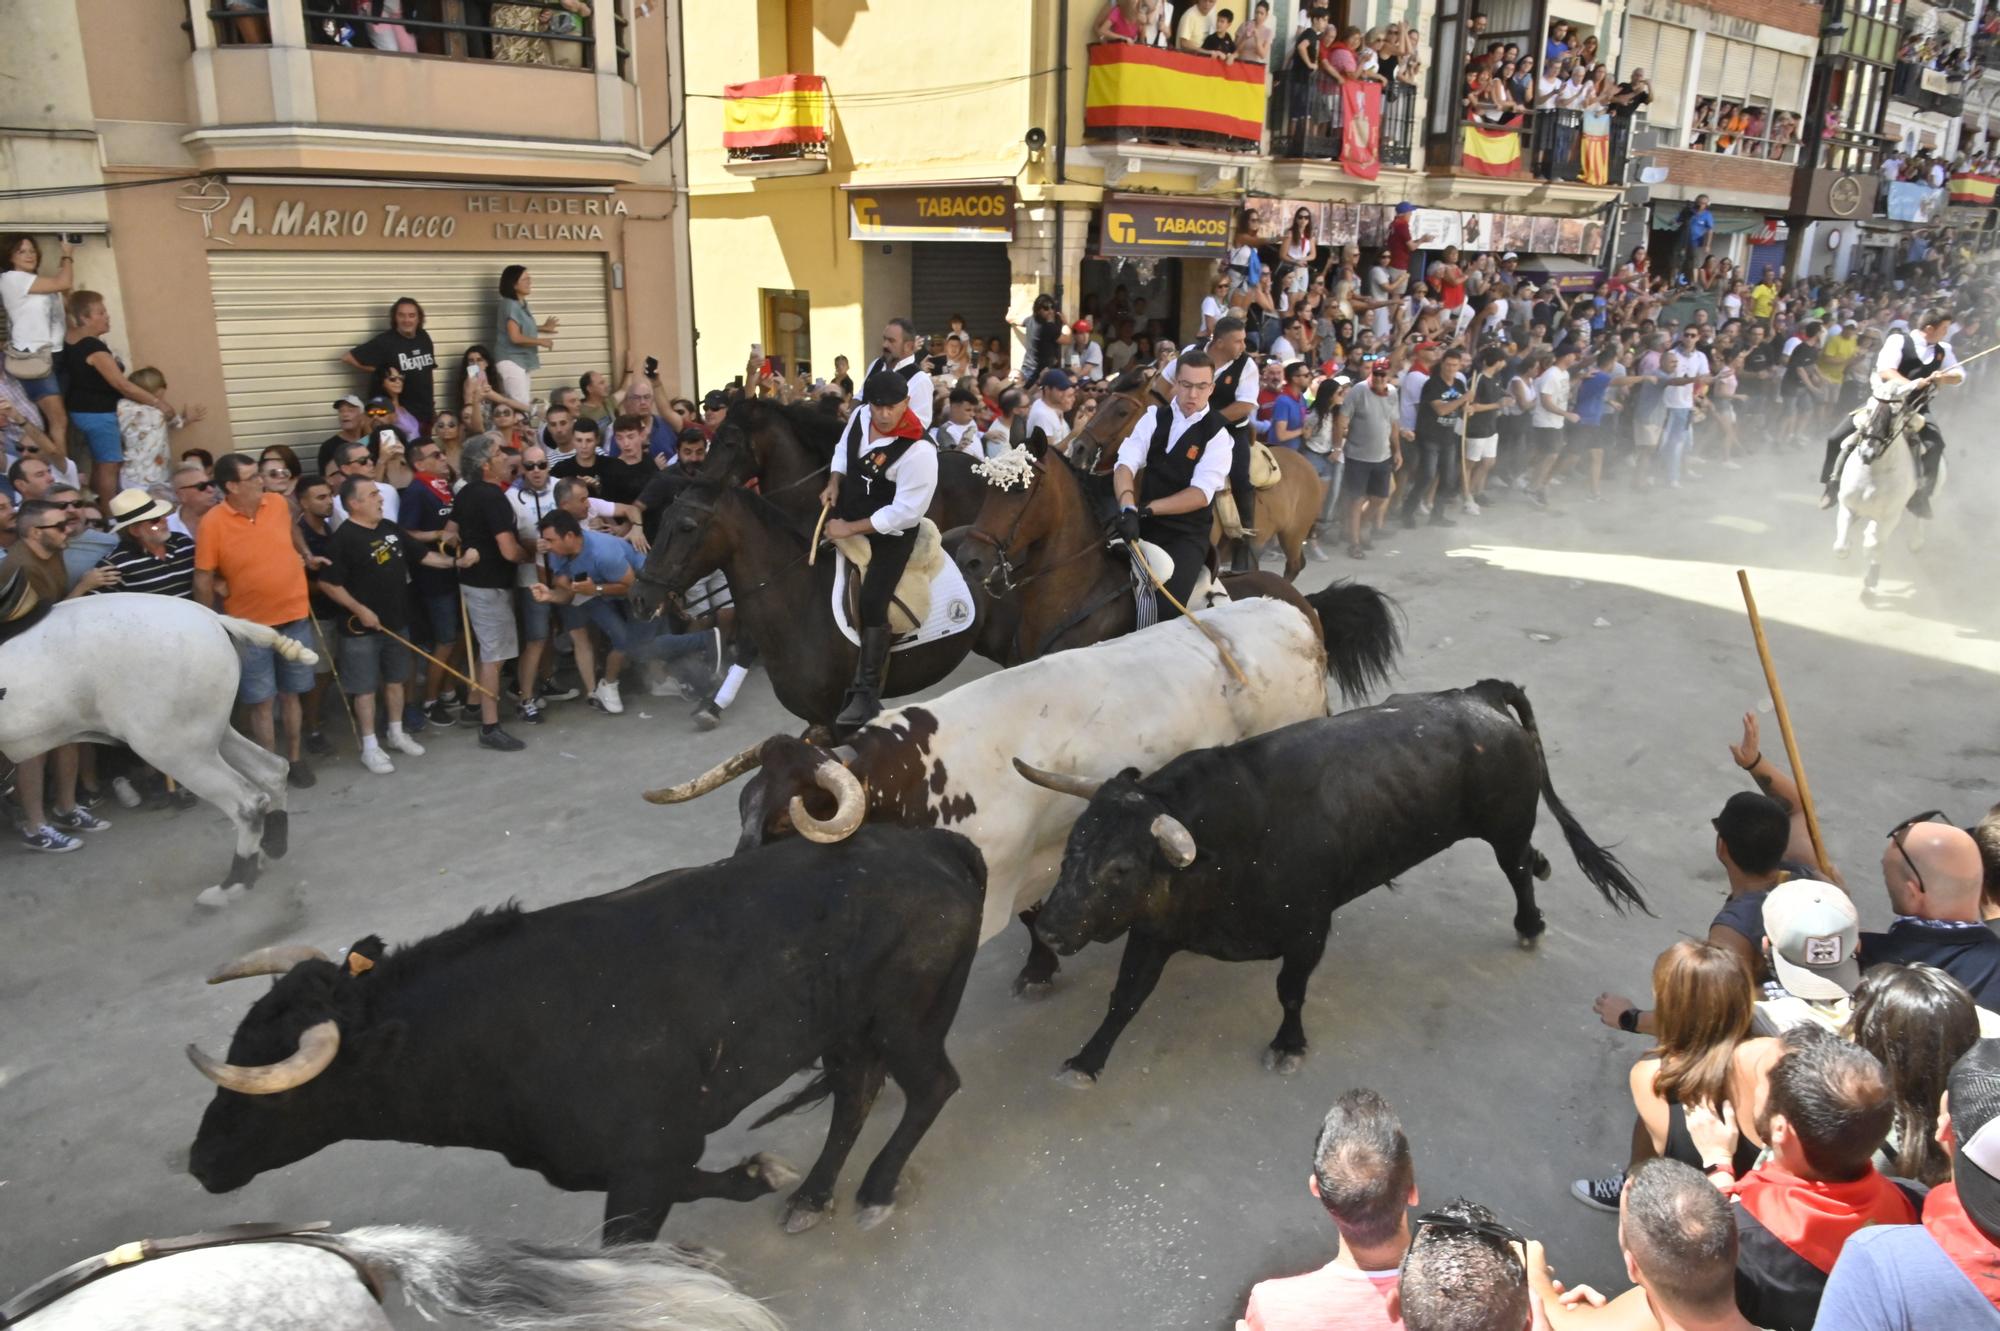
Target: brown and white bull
<point>1134,701</point>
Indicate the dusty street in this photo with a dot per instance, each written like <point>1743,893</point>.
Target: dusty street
<point>1157,1198</point>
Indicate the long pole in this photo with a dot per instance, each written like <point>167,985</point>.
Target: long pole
<point>1206,632</point>
<point>446,666</point>
<point>1785,726</point>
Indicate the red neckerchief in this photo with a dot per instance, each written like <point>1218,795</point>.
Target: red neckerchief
<point>1970,1251</point>
<point>907,428</point>
<point>1814,1219</point>
<point>437,486</point>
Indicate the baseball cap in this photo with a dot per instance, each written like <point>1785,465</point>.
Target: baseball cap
<point>379,405</point>
<point>1056,379</point>
<point>1755,829</point>
<point>1814,931</point>
<point>1510,257</point>
<point>885,388</point>
<point>1406,207</point>
<point>1081,326</point>
<point>1974,1087</point>
<point>714,400</point>
<point>351,400</point>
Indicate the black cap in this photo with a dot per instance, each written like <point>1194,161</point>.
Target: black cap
<point>885,388</point>
<point>1974,1086</point>
<point>714,400</point>
<point>381,404</point>
<point>1755,829</point>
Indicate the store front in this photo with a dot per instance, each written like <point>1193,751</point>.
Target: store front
<point>1151,260</point>
<point>935,252</point>
<point>297,273</point>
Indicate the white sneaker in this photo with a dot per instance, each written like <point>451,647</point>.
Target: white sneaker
<point>1470,508</point>
<point>400,741</point>
<point>376,761</point>
<point>606,696</point>
<point>128,795</point>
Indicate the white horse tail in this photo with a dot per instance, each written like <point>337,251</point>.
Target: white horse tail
<point>258,635</point>
<point>530,1287</point>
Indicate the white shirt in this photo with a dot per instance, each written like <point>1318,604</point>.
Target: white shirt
<point>1049,421</point>
<point>1210,474</point>
<point>392,505</point>
<point>34,321</point>
<point>1246,385</point>
<point>1412,389</point>
<point>915,476</point>
<point>1211,310</point>
<point>1546,87</point>
<point>1382,284</point>
<point>1118,354</point>
<point>923,396</point>
<point>959,438</point>
<point>1733,303</point>
<point>1890,357</point>
<point>1682,395</point>
<point>1091,358</point>
<point>1554,385</point>
<point>531,506</point>
<point>1283,352</point>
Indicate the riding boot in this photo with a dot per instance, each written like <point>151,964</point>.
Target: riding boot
<point>1838,445</point>
<point>864,697</point>
<point>1243,555</point>
<point>1930,457</point>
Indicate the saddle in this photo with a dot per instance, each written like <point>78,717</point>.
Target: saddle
<point>910,603</point>
<point>20,610</point>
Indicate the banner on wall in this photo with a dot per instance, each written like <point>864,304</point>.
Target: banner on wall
<point>1366,224</point>
<point>1596,147</point>
<point>1911,202</point>
<point>1976,190</point>
<point>1361,129</point>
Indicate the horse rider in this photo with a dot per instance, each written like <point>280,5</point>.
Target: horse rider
<point>1185,449</point>
<point>883,474</point>
<point>1920,356</point>
<point>1235,397</point>
<point>899,357</point>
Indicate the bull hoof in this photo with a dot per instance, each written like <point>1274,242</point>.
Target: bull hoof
<point>802,1216</point>
<point>773,1171</point>
<point>1541,868</point>
<point>1076,1078</point>
<point>1528,942</point>
<point>1283,1063</point>
<point>871,1216</point>
<point>1031,989</point>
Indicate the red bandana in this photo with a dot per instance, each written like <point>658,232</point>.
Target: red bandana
<point>437,485</point>
<point>907,428</point>
<point>1814,1219</point>
<point>1970,1251</point>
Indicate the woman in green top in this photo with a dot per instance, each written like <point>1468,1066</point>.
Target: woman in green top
<point>517,339</point>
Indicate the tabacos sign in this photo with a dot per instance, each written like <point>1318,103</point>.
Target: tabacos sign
<point>1140,226</point>
<point>398,218</point>
<point>930,212</point>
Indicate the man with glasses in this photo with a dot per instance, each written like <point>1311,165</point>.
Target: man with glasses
<point>195,494</point>
<point>1183,447</point>
<point>353,413</point>
<point>426,517</point>
<point>87,546</point>
<point>1935,878</point>
<point>358,461</point>
<point>150,557</point>
<point>38,557</point>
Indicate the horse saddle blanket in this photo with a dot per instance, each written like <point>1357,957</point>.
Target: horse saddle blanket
<point>931,600</point>
<point>1264,469</point>
<point>1207,590</point>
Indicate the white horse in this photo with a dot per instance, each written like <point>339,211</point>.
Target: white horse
<point>158,673</point>
<point>284,1286</point>
<point>1878,478</point>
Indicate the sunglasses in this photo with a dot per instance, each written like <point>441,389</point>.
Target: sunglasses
<point>1896,839</point>
<point>276,473</point>
<point>534,466</point>
<point>198,485</point>
<point>69,505</point>
<point>52,526</point>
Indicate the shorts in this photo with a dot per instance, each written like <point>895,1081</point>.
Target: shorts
<point>602,614</point>
<point>436,625</point>
<point>1547,439</point>
<point>1646,434</point>
<point>100,435</point>
<point>1478,448</point>
<point>535,617</point>
<point>322,630</point>
<point>491,610</point>
<point>514,380</point>
<point>1367,480</point>
<point>370,660</point>
<point>266,674</point>
<point>1592,438</point>
<point>47,386</point>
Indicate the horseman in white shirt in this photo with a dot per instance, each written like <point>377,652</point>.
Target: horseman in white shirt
<point>1183,449</point>
<point>1920,356</point>
<point>899,357</point>
<point>1234,394</point>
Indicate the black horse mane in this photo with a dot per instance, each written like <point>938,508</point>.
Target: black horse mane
<point>817,431</point>
<point>767,514</point>
<point>1129,381</point>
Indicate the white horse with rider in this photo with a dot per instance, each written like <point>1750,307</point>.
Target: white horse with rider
<point>1878,471</point>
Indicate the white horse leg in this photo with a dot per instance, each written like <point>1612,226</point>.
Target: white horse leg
<point>206,773</point>
<point>1917,526</point>
<point>267,771</point>
<point>1843,529</point>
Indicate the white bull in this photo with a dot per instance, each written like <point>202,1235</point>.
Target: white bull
<point>157,673</point>
<point>1133,701</point>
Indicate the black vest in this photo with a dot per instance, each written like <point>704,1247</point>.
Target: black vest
<point>908,372</point>
<point>867,487</point>
<point>1226,380</point>
<point>1913,366</point>
<point>1168,472</point>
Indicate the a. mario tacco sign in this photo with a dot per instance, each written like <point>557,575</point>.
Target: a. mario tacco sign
<point>931,212</point>
<point>1138,226</point>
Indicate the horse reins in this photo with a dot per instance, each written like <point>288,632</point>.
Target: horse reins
<point>1004,567</point>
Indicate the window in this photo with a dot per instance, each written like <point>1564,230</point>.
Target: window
<point>1748,100</point>
<point>1661,49</point>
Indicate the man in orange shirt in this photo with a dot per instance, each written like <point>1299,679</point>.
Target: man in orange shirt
<point>249,543</point>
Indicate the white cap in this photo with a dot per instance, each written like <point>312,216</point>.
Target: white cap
<point>1814,932</point>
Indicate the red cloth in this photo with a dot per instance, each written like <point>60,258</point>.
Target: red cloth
<point>1399,242</point>
<point>437,485</point>
<point>908,428</point>
<point>1813,1218</point>
<point>1970,1251</point>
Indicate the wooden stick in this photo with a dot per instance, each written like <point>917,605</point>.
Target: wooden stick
<point>1785,726</point>
<point>447,667</point>
<point>334,666</point>
<point>1188,615</point>
<point>812,551</point>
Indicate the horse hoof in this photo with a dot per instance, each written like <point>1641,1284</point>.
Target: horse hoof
<point>1031,990</point>
<point>1527,942</point>
<point>216,896</point>
<point>772,1170</point>
<point>1076,1079</point>
<point>1540,868</point>
<point>871,1216</point>
<point>1840,552</point>
<point>802,1216</point>
<point>1284,1064</point>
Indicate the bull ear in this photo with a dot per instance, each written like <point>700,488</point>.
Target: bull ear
<point>1038,444</point>
<point>1176,842</point>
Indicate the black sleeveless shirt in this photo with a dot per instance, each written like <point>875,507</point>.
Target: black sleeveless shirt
<point>867,487</point>
<point>1170,471</point>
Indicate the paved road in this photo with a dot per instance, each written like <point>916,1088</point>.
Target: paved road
<point>1157,1198</point>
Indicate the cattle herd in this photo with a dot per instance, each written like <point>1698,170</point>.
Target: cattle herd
<point>1136,787</point>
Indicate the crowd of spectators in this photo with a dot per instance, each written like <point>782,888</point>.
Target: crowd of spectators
<point>542,32</point>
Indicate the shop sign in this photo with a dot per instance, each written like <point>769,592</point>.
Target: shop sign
<point>1139,226</point>
<point>931,212</point>
<point>276,217</point>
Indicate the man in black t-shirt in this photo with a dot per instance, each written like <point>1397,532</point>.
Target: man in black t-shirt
<point>405,345</point>
<point>1482,422</point>
<point>425,519</point>
<point>485,522</point>
<point>624,474</point>
<point>1802,387</point>
<point>1438,406</point>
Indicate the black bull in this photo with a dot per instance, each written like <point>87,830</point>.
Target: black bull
<point>600,1041</point>
<point>1243,852</point>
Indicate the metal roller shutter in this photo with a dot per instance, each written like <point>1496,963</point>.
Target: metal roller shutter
<point>1669,76</point>
<point>1772,254</point>
<point>285,319</point>
<point>968,277</point>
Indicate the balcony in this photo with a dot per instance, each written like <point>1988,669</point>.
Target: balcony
<point>1559,145</point>
<point>307,88</point>
<point>1928,89</point>
<point>1177,99</point>
<point>1308,121</point>
<point>780,126</point>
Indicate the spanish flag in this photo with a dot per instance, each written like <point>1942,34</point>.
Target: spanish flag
<point>764,113</point>
<point>1490,152</point>
<point>1149,87</point>
<point>1975,190</point>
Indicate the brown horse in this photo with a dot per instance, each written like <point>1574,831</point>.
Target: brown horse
<point>1037,549</point>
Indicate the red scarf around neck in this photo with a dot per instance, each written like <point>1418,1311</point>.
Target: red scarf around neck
<point>437,485</point>
<point>1970,1251</point>
<point>1815,1218</point>
<point>907,428</point>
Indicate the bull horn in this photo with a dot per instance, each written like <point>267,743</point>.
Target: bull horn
<point>316,1050</point>
<point>719,775</point>
<point>1176,842</point>
<point>267,961</point>
<point>1063,783</point>
<point>844,786</point>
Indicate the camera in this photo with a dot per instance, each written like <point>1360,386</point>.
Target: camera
<point>652,367</point>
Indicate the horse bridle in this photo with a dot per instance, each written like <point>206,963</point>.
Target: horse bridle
<point>735,597</point>
<point>1003,567</point>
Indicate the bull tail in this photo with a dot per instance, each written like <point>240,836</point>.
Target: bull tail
<point>1599,865</point>
<point>1360,628</point>
<point>805,1097</point>
<point>529,1287</point>
<point>258,635</point>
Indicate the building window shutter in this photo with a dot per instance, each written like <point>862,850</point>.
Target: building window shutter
<point>1669,71</point>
